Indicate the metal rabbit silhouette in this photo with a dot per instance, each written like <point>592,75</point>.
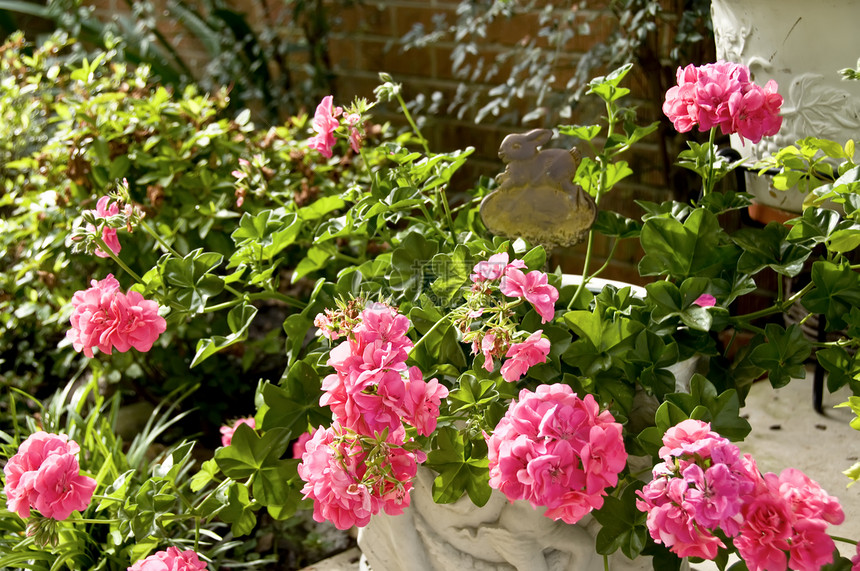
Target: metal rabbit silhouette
<point>536,198</point>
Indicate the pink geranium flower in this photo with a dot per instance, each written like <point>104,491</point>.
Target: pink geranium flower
<point>522,356</point>
<point>344,488</point>
<point>170,560</point>
<point>545,450</point>
<point>493,268</point>
<point>108,234</point>
<point>533,287</point>
<point>721,94</point>
<point>59,488</point>
<point>324,124</point>
<point>44,475</point>
<point>755,114</point>
<point>104,318</point>
<point>228,430</point>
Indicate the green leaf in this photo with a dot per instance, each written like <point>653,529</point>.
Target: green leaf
<point>622,524</point>
<point>694,248</point>
<point>783,355</point>
<point>191,275</point>
<point>603,332</point>
<point>649,360</point>
<point>615,225</point>
<point>768,247</point>
<point>816,225</point>
<point>248,453</point>
<point>581,132</point>
<point>836,292</point>
<point>721,202</point>
<point>277,485</point>
<point>318,257</point>
<point>452,272</point>
<point>607,87</point>
<point>239,319</point>
<point>668,415</point>
<point>672,301</point>
<point>458,474</point>
<point>408,263</point>
<point>207,471</point>
<point>237,510</point>
<point>295,404</point>
<point>845,239</point>
<point>702,402</point>
<point>839,364</point>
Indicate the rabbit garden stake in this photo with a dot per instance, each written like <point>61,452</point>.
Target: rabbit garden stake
<point>536,198</point>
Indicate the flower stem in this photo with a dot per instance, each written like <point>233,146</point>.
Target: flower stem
<point>843,539</point>
<point>167,247</point>
<point>412,123</point>
<point>709,180</point>
<point>104,248</point>
<point>429,331</point>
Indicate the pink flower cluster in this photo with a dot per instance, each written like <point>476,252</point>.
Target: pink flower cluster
<point>556,450</point>
<point>325,123</point>
<point>228,430</point>
<point>722,94</point>
<point>785,522</point>
<point>362,464</point>
<point>44,475</point>
<point>348,483</point>
<point>170,560</point>
<point>508,278</point>
<point>104,318</point>
<point>103,210</point>
<point>372,388</point>
<point>704,485</point>
<point>698,488</point>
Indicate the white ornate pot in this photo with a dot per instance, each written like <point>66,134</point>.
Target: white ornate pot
<point>802,45</point>
<point>501,536</point>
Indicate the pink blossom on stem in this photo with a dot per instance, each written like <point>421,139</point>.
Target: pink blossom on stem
<point>170,559</point>
<point>545,451</point>
<point>699,488</point>
<point>60,488</point>
<point>715,86</point>
<point>755,114</point>
<point>680,103</point>
<point>721,94</point>
<point>324,124</point>
<point>522,356</point>
<point>228,430</point>
<point>108,234</point>
<point>44,475</point>
<point>493,268</point>
<point>344,489</point>
<point>104,318</point>
<point>533,287</point>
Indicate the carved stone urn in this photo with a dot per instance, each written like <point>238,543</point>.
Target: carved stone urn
<point>802,45</point>
<point>500,536</point>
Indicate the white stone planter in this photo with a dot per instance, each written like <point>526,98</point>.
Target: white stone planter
<point>802,45</point>
<point>501,536</point>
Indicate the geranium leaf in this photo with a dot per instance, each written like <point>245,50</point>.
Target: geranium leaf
<point>768,247</point>
<point>694,248</point>
<point>836,292</point>
<point>783,355</point>
<point>622,524</point>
